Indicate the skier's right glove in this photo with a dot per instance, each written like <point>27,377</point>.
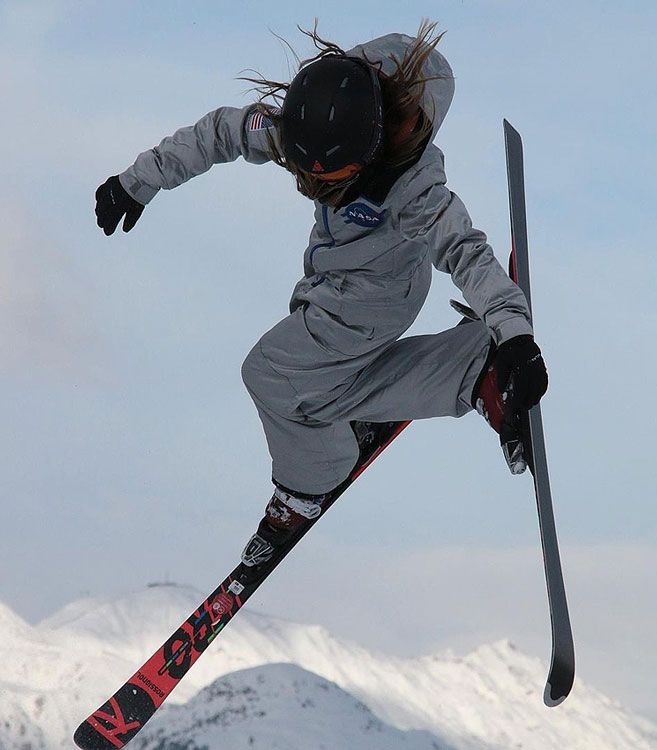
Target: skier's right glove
<point>113,203</point>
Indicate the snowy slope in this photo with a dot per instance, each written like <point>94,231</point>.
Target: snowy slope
<point>492,695</point>
<point>18,729</point>
<point>56,673</point>
<point>277,707</point>
<point>10,623</point>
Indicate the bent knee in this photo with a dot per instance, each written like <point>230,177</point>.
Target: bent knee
<point>253,368</point>
<point>267,387</point>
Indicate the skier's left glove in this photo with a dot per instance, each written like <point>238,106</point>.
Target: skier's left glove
<point>520,358</point>
<point>113,203</point>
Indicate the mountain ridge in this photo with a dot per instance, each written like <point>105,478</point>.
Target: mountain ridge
<point>73,660</point>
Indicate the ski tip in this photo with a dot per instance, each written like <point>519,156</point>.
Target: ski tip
<point>554,696</point>
<point>551,702</point>
<point>510,133</point>
<point>86,737</point>
<point>561,676</point>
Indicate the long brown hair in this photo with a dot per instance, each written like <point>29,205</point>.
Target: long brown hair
<point>402,93</point>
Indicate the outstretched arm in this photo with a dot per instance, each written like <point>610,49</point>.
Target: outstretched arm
<point>221,136</point>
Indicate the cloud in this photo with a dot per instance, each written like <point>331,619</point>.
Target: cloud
<point>46,318</point>
<point>31,20</point>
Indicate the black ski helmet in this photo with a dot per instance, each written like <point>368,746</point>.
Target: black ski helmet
<point>332,115</point>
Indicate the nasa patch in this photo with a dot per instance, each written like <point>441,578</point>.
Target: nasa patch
<point>363,215</point>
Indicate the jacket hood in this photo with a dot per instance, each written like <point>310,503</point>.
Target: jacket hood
<point>438,93</point>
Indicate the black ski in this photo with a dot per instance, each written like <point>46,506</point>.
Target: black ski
<point>562,668</point>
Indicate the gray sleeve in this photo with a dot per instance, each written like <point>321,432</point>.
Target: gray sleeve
<point>459,249</point>
<point>221,136</point>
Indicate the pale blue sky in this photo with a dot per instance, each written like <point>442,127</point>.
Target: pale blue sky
<point>131,450</point>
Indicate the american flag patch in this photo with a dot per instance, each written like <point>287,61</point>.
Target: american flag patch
<point>259,121</point>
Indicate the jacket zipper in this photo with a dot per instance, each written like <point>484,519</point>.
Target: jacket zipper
<point>323,244</point>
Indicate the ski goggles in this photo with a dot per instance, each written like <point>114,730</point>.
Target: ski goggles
<point>345,173</point>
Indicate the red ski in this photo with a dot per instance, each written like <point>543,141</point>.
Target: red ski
<point>118,720</point>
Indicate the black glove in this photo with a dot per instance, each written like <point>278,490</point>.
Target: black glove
<point>112,203</point>
<point>520,358</point>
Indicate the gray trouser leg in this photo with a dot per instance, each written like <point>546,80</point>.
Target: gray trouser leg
<point>312,445</point>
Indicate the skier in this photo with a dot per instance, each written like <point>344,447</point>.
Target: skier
<point>355,129</point>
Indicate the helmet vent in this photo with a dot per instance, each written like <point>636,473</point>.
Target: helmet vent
<point>303,111</point>
<point>302,149</point>
<point>345,80</point>
<point>332,113</point>
<point>332,150</point>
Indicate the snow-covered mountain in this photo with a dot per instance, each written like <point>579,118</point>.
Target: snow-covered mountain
<point>277,707</point>
<point>54,674</point>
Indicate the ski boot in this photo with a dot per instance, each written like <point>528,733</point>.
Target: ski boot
<point>285,513</point>
<point>371,436</point>
<point>512,425</point>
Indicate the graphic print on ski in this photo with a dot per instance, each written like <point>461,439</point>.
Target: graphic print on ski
<point>118,720</point>
<point>562,668</point>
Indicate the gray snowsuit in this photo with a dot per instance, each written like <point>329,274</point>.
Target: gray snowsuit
<point>336,357</point>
